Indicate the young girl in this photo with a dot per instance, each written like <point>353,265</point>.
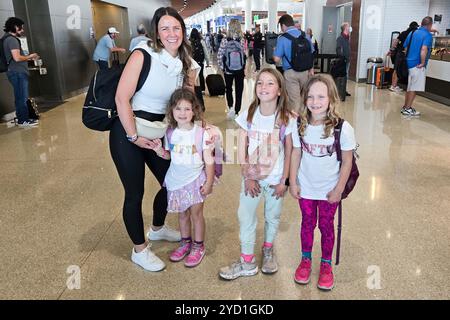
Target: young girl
<point>190,176</point>
<point>315,167</point>
<point>264,150</point>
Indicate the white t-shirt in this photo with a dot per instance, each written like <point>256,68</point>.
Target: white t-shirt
<point>261,127</point>
<point>319,172</point>
<point>186,163</point>
<point>160,83</point>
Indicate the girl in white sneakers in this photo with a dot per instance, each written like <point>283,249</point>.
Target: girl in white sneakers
<point>264,150</point>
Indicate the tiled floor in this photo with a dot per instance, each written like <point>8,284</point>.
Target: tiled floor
<point>62,199</point>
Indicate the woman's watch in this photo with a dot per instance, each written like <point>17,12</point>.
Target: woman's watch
<point>285,182</point>
<point>132,138</point>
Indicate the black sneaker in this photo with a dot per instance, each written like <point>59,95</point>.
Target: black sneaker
<point>410,112</point>
<point>28,124</point>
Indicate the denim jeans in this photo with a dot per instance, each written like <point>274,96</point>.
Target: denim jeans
<point>19,81</point>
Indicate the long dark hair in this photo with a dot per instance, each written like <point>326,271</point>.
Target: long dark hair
<point>195,35</point>
<point>184,50</point>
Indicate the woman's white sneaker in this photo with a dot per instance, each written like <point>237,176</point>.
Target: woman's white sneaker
<point>165,233</point>
<point>147,260</point>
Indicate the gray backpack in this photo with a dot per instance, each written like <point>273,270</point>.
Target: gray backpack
<point>234,58</point>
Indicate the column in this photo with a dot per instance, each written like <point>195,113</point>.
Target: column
<point>273,15</point>
<point>248,15</point>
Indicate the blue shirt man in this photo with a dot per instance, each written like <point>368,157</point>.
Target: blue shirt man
<point>421,38</point>
<point>283,48</point>
<point>104,47</point>
<point>419,47</point>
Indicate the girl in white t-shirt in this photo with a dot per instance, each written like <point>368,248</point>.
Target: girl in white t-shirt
<point>317,180</point>
<point>190,176</point>
<point>264,152</point>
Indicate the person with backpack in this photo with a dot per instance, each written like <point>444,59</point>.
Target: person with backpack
<point>343,50</point>
<point>105,46</point>
<point>15,63</point>
<point>295,50</point>
<point>264,152</point>
<point>394,54</point>
<point>190,177</point>
<point>317,180</point>
<point>171,68</point>
<point>231,59</point>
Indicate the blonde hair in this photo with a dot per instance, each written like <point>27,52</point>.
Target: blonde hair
<point>189,96</point>
<point>332,117</point>
<point>234,29</point>
<point>283,111</point>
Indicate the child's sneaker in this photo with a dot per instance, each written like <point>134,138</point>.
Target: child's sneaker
<point>239,269</point>
<point>195,256</point>
<point>269,264</point>
<point>182,251</point>
<point>303,272</point>
<point>326,278</point>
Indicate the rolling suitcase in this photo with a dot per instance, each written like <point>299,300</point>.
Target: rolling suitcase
<point>215,84</point>
<point>270,44</point>
<point>33,112</point>
<point>341,84</point>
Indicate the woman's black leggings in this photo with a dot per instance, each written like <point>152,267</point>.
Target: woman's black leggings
<point>130,162</point>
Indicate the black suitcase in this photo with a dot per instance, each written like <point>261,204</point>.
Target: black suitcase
<point>270,44</point>
<point>215,84</point>
<point>341,84</point>
<point>33,112</point>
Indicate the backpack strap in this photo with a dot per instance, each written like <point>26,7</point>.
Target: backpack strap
<point>146,66</point>
<point>199,140</point>
<point>169,133</point>
<point>337,139</point>
<point>337,142</point>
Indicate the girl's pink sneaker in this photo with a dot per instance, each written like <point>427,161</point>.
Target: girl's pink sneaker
<point>303,272</point>
<point>195,256</point>
<point>326,278</point>
<point>182,251</point>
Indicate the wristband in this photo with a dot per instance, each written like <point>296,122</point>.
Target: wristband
<point>132,138</point>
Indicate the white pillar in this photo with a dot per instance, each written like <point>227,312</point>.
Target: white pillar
<point>313,17</point>
<point>248,15</point>
<point>273,15</point>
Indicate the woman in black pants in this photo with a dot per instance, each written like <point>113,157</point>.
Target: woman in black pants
<point>171,68</point>
<point>234,42</point>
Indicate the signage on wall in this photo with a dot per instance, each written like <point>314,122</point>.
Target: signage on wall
<point>438,18</point>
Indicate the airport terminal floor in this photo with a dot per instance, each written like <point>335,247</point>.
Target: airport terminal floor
<point>62,210</point>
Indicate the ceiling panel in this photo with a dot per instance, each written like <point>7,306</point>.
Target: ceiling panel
<point>192,6</point>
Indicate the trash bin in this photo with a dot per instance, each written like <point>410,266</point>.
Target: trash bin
<point>372,64</point>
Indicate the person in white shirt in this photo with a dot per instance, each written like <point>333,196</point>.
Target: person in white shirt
<point>171,68</point>
<point>142,36</point>
<point>317,178</point>
<point>264,149</point>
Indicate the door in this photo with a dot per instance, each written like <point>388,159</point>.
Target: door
<point>329,30</point>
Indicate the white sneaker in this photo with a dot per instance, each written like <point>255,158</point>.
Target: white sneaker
<point>231,114</point>
<point>147,260</point>
<point>165,233</point>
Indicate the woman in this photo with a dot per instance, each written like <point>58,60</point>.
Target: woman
<point>234,68</point>
<point>171,68</point>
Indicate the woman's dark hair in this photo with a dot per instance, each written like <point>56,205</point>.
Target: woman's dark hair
<point>12,23</point>
<point>287,20</point>
<point>413,25</point>
<point>184,50</point>
<point>195,35</point>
